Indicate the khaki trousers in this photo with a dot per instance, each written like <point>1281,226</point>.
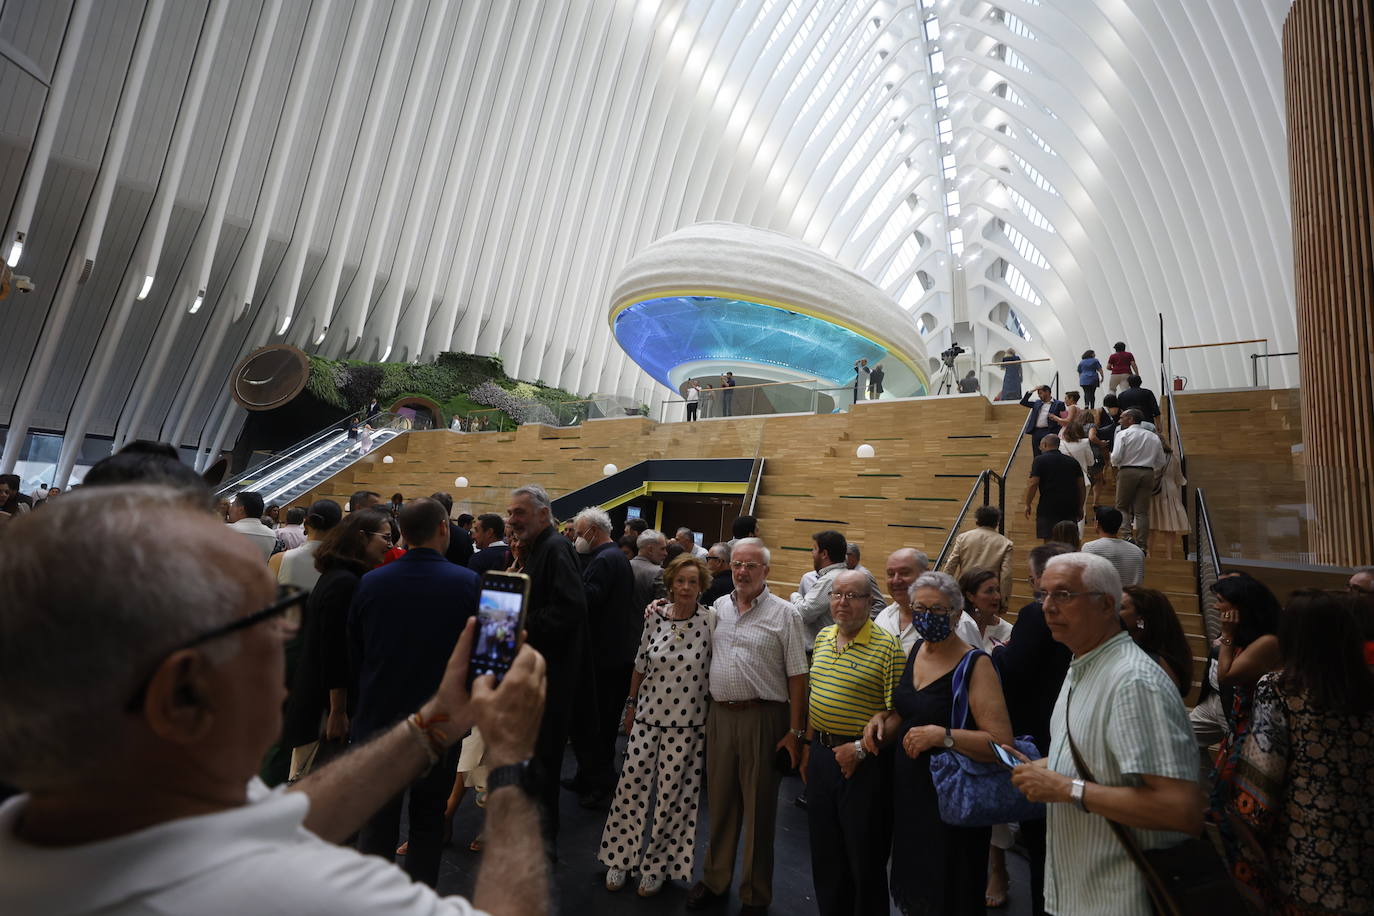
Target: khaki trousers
<point>742,790</point>
<point>1134,489</point>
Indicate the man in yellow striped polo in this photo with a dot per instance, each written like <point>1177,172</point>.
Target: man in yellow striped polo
<point>854,670</point>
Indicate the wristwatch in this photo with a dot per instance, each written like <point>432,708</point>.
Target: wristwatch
<point>519,774</point>
<point>1076,794</point>
<point>859,752</point>
<point>949,737</point>
<point>798,733</point>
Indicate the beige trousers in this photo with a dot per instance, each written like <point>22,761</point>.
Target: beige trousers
<point>742,792</point>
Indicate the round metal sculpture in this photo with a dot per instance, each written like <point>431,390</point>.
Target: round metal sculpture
<point>269,377</point>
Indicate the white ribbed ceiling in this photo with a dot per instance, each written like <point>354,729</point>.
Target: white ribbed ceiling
<point>365,178</point>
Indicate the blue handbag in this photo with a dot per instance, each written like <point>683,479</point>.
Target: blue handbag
<point>971,793</point>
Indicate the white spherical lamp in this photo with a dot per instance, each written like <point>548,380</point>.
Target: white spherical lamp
<point>388,460</point>
<point>864,451</point>
<point>608,470</point>
<point>460,481</point>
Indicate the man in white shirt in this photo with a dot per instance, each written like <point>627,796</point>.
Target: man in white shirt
<point>758,693</point>
<point>828,550</point>
<point>1128,559</point>
<point>1138,456</point>
<point>904,566</point>
<point>1131,730</point>
<point>139,775</point>
<point>245,517</point>
<point>693,399</point>
<point>689,544</point>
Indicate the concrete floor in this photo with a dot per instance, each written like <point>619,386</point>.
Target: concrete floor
<point>578,878</point>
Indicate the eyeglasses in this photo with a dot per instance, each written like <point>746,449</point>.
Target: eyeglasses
<point>932,609</point>
<point>1064,596</point>
<point>849,596</point>
<point>384,535</point>
<point>287,597</point>
<point>742,564</point>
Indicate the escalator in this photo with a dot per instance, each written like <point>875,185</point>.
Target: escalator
<point>295,471</point>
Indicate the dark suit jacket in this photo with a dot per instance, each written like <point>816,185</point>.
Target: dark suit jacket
<point>1032,666</point>
<point>460,547</point>
<point>1032,400</point>
<point>405,619</point>
<point>491,557</point>
<point>615,625</point>
<point>1142,399</point>
<point>722,583</point>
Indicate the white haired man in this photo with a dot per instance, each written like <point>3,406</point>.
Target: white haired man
<point>615,625</point>
<point>687,539</point>
<point>1128,724</point>
<point>648,567</point>
<point>758,685</point>
<point>139,690</point>
<point>556,625</point>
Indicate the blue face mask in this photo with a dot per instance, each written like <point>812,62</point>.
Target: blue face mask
<point>933,627</point>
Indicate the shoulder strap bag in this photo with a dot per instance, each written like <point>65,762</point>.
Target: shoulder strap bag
<point>1184,880</point>
<point>971,793</point>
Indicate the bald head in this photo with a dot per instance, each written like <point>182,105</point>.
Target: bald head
<point>96,601</point>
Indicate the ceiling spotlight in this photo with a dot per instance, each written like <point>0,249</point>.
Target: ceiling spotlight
<point>147,286</point>
<point>16,250</point>
<point>284,325</point>
<point>200,300</point>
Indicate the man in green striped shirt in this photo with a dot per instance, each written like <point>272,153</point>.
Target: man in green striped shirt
<point>854,670</point>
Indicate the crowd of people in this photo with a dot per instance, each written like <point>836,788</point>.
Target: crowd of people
<point>197,651</point>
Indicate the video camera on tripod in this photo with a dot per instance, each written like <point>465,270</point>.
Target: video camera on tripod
<point>951,354</point>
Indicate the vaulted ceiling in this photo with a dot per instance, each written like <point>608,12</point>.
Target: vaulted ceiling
<point>377,179</point>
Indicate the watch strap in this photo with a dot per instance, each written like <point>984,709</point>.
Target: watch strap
<point>519,774</point>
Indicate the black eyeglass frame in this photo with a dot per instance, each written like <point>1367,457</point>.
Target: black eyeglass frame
<point>288,596</point>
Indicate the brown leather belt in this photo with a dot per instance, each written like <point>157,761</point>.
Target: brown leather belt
<point>833,741</point>
<point>745,704</point>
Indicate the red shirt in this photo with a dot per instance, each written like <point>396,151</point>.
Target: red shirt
<point>394,553</point>
<point>1120,363</point>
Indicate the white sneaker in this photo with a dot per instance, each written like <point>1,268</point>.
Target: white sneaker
<point>615,879</point>
<point>650,885</point>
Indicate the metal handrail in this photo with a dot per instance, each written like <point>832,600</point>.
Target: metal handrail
<point>1220,343</point>
<point>302,445</point>
<point>985,479</point>
<point>1208,564</point>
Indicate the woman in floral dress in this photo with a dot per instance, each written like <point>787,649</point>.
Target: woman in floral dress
<point>1302,805</point>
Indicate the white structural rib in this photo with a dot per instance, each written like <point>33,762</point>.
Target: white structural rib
<point>1050,174</point>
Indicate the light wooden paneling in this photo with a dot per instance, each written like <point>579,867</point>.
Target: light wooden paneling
<point>1328,48</point>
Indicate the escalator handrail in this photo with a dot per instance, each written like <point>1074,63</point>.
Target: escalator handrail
<point>257,471</point>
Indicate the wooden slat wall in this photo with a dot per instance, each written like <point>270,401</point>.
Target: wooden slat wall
<point>1328,53</point>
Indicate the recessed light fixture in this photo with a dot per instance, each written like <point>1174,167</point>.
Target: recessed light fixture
<point>147,287</point>
<point>200,300</point>
<point>16,250</point>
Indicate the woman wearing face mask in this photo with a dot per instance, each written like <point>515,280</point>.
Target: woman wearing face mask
<point>665,717</point>
<point>937,868</point>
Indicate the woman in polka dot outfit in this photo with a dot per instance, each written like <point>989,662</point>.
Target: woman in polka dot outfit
<point>665,717</point>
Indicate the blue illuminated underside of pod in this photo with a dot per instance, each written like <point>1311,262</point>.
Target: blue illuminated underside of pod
<point>660,334</point>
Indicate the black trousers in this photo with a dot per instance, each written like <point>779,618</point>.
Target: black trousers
<point>594,730</point>
<point>1037,434</point>
<point>428,796</point>
<point>692,410</point>
<point>1089,395</point>
<point>851,832</point>
<point>560,695</point>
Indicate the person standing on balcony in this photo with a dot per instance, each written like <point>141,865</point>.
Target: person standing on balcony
<point>1011,377</point>
<point>860,370</point>
<point>1121,365</point>
<point>875,382</point>
<point>727,382</point>
<point>693,396</point>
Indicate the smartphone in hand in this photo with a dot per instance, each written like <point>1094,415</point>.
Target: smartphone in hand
<point>1004,756</point>
<point>501,608</point>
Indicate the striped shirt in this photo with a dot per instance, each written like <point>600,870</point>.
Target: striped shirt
<point>1127,721</point>
<point>754,653</point>
<point>850,685</point>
